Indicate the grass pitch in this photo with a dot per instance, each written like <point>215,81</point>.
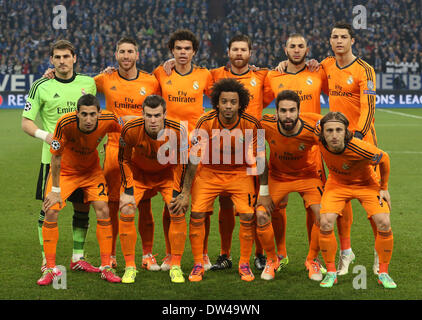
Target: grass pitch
<point>398,134</point>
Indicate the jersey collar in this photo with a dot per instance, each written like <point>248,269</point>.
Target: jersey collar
<point>137,75</point>
<point>347,65</point>
<point>66,80</point>
<point>234,126</point>
<point>191,69</point>
<point>304,67</point>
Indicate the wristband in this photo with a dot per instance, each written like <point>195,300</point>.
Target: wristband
<point>56,189</point>
<point>41,134</point>
<point>263,190</point>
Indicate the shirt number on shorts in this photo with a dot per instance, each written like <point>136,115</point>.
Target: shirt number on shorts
<point>103,189</point>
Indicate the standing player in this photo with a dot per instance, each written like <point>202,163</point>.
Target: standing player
<point>145,143</point>
<point>52,98</point>
<point>239,53</point>
<point>125,89</point>
<point>226,142</point>
<point>350,162</point>
<point>183,90</point>
<point>296,76</point>
<point>292,165</point>
<point>75,164</point>
<point>351,87</point>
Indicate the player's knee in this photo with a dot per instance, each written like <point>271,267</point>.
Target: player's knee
<point>51,215</point>
<point>326,223</point>
<point>197,215</point>
<point>246,217</point>
<point>101,209</point>
<point>262,218</point>
<point>383,222</point>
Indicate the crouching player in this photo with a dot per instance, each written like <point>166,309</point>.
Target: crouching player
<point>75,164</point>
<point>350,162</point>
<point>152,158</point>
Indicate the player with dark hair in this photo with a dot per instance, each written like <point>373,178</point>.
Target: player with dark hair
<point>75,165</point>
<point>226,144</point>
<point>51,98</point>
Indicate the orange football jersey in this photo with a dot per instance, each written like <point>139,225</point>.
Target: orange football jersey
<point>253,81</point>
<point>355,165</point>
<point>184,94</point>
<point>352,92</point>
<point>308,85</point>
<point>141,152</point>
<point>292,157</point>
<point>78,149</point>
<point>125,97</point>
<point>227,149</point>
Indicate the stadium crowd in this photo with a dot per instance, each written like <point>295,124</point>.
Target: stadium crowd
<point>391,42</point>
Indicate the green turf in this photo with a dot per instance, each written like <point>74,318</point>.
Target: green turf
<point>20,254</point>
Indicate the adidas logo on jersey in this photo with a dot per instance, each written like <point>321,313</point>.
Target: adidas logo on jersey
<point>113,88</point>
<point>168,82</point>
<point>56,96</point>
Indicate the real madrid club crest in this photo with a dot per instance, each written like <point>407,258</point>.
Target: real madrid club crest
<point>196,85</point>
<point>253,82</point>
<point>301,147</point>
<point>350,80</point>
<point>309,81</point>
<point>345,166</point>
<point>83,91</point>
<point>143,91</point>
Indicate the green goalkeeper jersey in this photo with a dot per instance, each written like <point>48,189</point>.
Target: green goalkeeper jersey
<point>52,98</point>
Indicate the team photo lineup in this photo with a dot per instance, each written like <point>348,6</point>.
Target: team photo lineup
<point>161,140</point>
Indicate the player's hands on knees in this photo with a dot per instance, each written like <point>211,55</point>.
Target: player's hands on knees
<point>169,65</point>
<point>126,200</point>
<point>49,73</point>
<point>266,202</point>
<point>51,199</point>
<point>384,194</point>
<point>179,204</point>
<point>109,70</point>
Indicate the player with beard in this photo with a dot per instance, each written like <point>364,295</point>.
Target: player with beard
<point>125,89</point>
<point>292,168</point>
<point>297,77</point>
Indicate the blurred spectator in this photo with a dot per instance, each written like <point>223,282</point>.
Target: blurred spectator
<point>392,36</point>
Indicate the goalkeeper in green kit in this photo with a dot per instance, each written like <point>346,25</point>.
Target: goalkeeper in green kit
<point>51,98</point>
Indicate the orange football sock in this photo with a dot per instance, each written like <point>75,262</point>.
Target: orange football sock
<point>105,239</point>
<point>113,208</point>
<point>128,238</point>
<point>328,245</point>
<point>50,234</point>
<point>177,234</point>
<point>258,245</point>
<point>266,236</point>
<point>196,237</point>
<point>310,219</point>
<point>344,225</point>
<point>166,228</point>
<point>314,244</point>
<point>207,233</point>
<point>146,226</point>
<point>246,236</point>
<point>176,260</point>
<point>384,246</point>
<point>279,221</point>
<point>226,223</point>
